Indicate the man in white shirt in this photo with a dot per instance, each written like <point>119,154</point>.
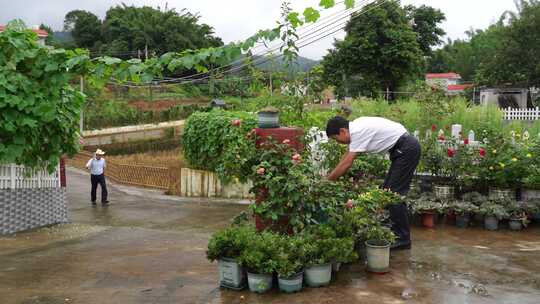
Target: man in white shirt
<point>380,135</point>
<point>97,166</point>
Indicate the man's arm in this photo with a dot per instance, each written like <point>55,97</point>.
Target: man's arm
<point>344,165</point>
<point>89,163</point>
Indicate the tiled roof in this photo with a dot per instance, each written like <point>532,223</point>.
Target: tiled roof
<point>443,76</point>
<point>40,33</point>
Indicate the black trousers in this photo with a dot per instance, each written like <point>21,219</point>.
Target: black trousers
<point>405,156</point>
<point>95,180</point>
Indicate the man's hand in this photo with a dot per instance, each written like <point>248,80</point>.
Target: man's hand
<point>344,165</point>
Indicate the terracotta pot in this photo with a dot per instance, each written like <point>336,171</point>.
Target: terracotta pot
<point>428,219</point>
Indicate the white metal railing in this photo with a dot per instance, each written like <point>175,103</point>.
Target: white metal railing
<point>521,114</point>
<point>20,177</point>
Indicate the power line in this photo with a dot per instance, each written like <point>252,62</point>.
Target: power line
<point>262,55</point>
<point>331,17</point>
<point>316,39</point>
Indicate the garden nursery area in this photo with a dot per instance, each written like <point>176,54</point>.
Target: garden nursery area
<point>220,173</point>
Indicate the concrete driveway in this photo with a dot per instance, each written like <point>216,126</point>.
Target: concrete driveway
<point>149,248</point>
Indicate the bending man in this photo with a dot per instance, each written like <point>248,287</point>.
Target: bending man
<point>380,135</point>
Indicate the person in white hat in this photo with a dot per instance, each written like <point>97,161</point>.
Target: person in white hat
<point>97,166</point>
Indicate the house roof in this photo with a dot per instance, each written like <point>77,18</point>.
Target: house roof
<point>40,33</point>
<point>443,76</point>
<point>459,87</point>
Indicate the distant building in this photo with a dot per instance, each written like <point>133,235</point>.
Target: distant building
<point>443,79</point>
<point>450,82</point>
<point>42,35</point>
<point>456,89</point>
<point>504,97</point>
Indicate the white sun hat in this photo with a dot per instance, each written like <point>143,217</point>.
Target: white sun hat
<point>99,152</point>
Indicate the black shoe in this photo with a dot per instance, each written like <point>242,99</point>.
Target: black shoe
<point>401,245</point>
<point>105,203</point>
<point>93,204</point>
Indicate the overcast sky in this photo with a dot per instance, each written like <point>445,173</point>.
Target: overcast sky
<point>236,20</point>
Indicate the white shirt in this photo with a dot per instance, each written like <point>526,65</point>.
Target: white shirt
<point>374,134</point>
<point>96,166</point>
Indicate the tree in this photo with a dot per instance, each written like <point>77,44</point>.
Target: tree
<point>380,51</point>
<point>85,28</point>
<point>425,21</point>
<point>505,52</point>
<point>128,29</point>
<point>518,52</point>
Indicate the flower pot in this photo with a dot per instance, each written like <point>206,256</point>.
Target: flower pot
<point>444,192</point>
<point>318,275</point>
<point>529,194</point>
<point>259,283</point>
<point>268,119</point>
<point>515,224</point>
<point>231,274</point>
<point>491,222</point>
<point>462,220</point>
<point>292,284</point>
<point>502,194</point>
<point>478,217</point>
<point>428,220</point>
<point>336,267</point>
<point>378,256</point>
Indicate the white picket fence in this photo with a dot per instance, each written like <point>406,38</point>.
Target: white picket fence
<point>521,114</point>
<point>20,177</point>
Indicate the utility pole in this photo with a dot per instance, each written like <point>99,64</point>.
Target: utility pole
<point>146,51</point>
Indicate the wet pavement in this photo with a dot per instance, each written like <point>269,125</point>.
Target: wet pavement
<point>149,248</point>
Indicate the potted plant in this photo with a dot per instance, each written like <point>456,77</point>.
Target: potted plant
<point>259,258</point>
<point>493,212</point>
<point>269,118</point>
<point>428,207</point>
<point>290,263</point>
<point>476,199</point>
<point>519,215</point>
<point>531,183</point>
<point>463,211</point>
<point>379,239</point>
<point>319,244</point>
<point>226,247</point>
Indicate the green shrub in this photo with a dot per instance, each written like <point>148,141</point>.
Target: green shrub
<point>230,243</point>
<point>211,142</point>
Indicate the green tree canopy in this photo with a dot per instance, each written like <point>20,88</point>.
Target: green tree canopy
<point>507,52</point>
<point>128,29</point>
<point>381,50</point>
<point>85,28</point>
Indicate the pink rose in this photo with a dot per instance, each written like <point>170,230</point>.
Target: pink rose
<point>350,204</point>
<point>261,171</point>
<point>236,122</point>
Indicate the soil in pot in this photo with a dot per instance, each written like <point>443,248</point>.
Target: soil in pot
<point>428,219</point>
<point>231,274</point>
<point>491,223</point>
<point>515,224</point>
<point>292,284</point>
<point>378,256</point>
<point>318,275</point>
<point>259,283</point>
<point>462,220</point>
